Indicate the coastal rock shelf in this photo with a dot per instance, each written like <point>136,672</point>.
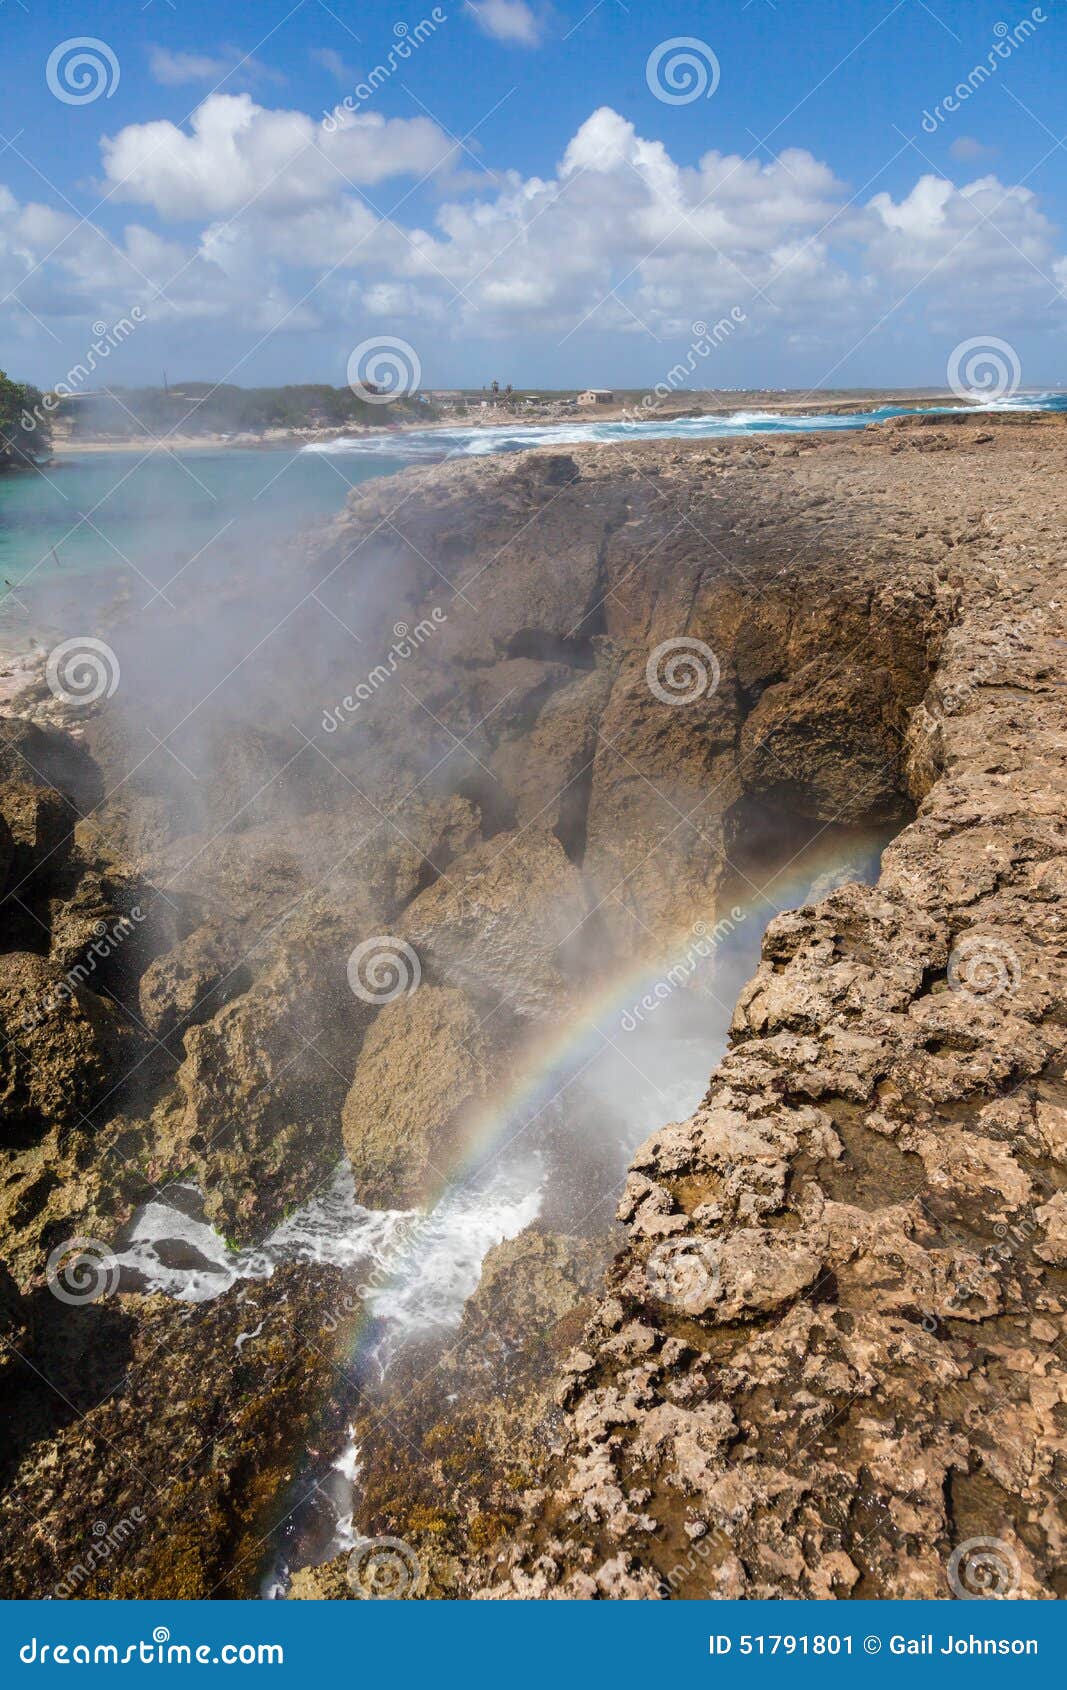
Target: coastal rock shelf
<point>825,1350</point>
<point>861,1368</point>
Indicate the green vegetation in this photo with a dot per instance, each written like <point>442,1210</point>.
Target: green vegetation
<point>201,407</point>
<point>25,436</point>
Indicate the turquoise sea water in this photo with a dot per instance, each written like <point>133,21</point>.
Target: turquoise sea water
<point>99,522</point>
<point>95,524</point>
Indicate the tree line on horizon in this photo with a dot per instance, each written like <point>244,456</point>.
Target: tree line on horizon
<point>205,407</point>
<point>25,437</point>
<point>192,407</point>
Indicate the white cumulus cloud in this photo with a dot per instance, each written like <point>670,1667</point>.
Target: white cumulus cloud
<point>511,21</point>
<point>254,218</point>
<point>237,153</point>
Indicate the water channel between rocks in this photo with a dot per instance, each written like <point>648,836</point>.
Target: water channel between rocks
<point>637,1055</point>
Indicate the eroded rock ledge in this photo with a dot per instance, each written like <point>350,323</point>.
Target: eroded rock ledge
<point>828,1352</point>
<point>831,1349</point>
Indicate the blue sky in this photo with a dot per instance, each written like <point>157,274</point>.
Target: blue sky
<point>514,198</point>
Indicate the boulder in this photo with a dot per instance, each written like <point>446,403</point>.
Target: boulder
<point>192,981</point>
<point>496,922</point>
<point>259,776</point>
<point>60,1046</point>
<point>263,1083</point>
<point>36,755</point>
<point>40,822</point>
<point>106,925</point>
<point>424,1068</point>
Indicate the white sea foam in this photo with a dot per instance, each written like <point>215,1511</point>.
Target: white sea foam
<point>1022,402</point>
<point>456,441</point>
<point>416,1271</point>
<point>340,1488</point>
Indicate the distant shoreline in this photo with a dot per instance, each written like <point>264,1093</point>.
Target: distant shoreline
<point>499,416</point>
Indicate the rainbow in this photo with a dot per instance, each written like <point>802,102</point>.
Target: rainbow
<point>730,937</point>
<point>612,1008</point>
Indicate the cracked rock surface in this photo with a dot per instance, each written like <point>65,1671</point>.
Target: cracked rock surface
<point>827,1351</point>
<point>831,1349</point>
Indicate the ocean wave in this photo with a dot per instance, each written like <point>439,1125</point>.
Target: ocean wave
<point>417,1276</point>
<point>413,445</point>
<point>448,442</point>
<point>1025,402</point>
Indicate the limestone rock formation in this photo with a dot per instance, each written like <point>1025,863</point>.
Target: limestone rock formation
<point>224,1421</point>
<point>838,1262</point>
<point>546,768</point>
<point>828,741</point>
<point>497,922</point>
<point>482,1414</point>
<point>40,823</point>
<point>60,1047</point>
<point>425,1066</point>
<point>189,983</point>
<point>263,1085</point>
<point>42,754</point>
<point>826,1352</point>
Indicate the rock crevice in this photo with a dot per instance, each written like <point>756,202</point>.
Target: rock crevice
<point>827,1343</point>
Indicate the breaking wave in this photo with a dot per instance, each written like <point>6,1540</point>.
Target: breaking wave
<point>454,441</point>
<point>417,1271</point>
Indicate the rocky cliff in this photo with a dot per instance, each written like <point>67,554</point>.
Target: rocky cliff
<point>568,692</point>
